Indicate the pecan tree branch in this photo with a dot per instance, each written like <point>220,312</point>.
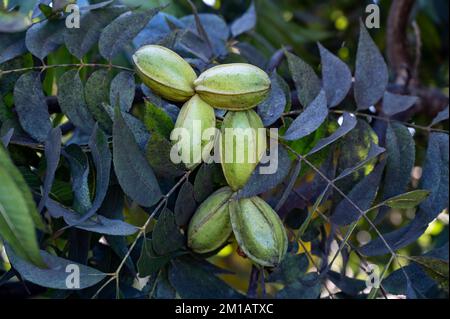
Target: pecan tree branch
<point>398,50</point>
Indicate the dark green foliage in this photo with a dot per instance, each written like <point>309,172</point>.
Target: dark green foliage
<point>87,180</point>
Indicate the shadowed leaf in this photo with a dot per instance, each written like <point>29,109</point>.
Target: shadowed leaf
<point>371,75</point>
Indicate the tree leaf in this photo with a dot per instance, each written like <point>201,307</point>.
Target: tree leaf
<point>192,281</point>
<point>291,269</point>
<point>336,77</point>
<point>417,282</point>
<point>207,181</point>
<point>185,205</point>
<point>271,109</point>
<point>308,288</point>
<point>157,120</point>
<point>306,80</point>
<point>122,31</point>
<point>102,160</point>
<point>149,262</point>
<point>140,132</point>
<point>79,171</point>
<point>349,123</point>
<point>437,269</point>
<point>6,139</point>
<point>80,40</point>
<point>45,37</point>
<point>97,93</point>
<point>158,155</point>
<point>18,214</point>
<point>123,90</point>
<point>371,75</point>
<point>408,200</point>
<point>310,120</point>
<point>99,224</point>
<point>31,106</point>
<point>401,158</point>
<point>166,236</point>
<point>72,102</point>
<point>395,103</point>
<point>442,116</point>
<point>435,178</point>
<point>260,183</point>
<point>373,153</point>
<point>362,195</point>
<point>347,285</point>
<point>135,175</point>
<point>246,22</point>
<point>11,46</point>
<point>52,155</point>
<point>215,28</point>
<point>15,21</point>
<point>56,276</point>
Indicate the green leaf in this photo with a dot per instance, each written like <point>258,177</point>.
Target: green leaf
<point>97,93</point>
<point>31,106</point>
<point>123,90</point>
<point>310,120</point>
<point>122,31</point>
<point>45,37</point>
<point>193,281</point>
<point>158,155</point>
<point>308,288</point>
<point>306,80</point>
<point>57,274</point>
<point>18,214</point>
<point>157,121</point>
<point>371,74</point>
<point>185,205</point>
<point>437,269</point>
<point>14,22</point>
<point>134,173</point>
<point>291,269</point>
<point>166,237</point>
<point>337,77</point>
<point>408,200</point>
<point>150,263</point>
<point>72,102</point>
<point>11,46</point>
<point>80,41</point>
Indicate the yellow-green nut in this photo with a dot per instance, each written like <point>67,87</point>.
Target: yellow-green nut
<point>195,118</point>
<point>259,231</point>
<point>235,87</point>
<point>165,72</point>
<point>210,227</point>
<point>243,143</point>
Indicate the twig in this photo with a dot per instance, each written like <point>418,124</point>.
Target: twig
<point>362,214</point>
<point>73,65</point>
<point>142,231</point>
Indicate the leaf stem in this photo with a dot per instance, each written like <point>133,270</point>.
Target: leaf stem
<point>163,201</point>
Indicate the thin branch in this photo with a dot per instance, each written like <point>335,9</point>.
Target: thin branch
<point>338,234</point>
<point>43,68</point>
<point>360,211</point>
<point>378,117</point>
<point>142,231</point>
